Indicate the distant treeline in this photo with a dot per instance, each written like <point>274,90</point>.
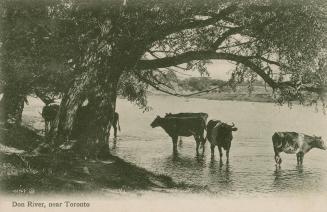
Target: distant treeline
<point>202,83</point>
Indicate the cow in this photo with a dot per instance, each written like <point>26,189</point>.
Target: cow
<point>115,124</point>
<point>182,126</point>
<point>295,143</point>
<point>49,113</point>
<point>82,124</point>
<point>220,134</point>
<point>201,115</point>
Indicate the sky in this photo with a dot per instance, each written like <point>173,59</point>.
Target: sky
<point>219,69</point>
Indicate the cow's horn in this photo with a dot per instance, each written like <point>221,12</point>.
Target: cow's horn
<point>233,125</point>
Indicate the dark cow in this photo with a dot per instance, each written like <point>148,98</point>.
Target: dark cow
<point>220,134</point>
<point>182,126</point>
<point>295,143</point>
<point>200,115</point>
<point>82,125</point>
<point>49,113</point>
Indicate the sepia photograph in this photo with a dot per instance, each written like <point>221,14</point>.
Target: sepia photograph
<point>163,105</point>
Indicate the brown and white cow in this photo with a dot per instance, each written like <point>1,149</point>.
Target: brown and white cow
<point>295,143</point>
<point>220,134</point>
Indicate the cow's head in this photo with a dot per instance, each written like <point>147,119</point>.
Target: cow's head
<point>319,143</point>
<point>156,122</point>
<point>230,127</point>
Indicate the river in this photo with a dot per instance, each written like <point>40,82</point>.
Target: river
<point>251,170</point>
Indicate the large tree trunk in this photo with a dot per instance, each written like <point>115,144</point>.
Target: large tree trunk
<point>89,125</point>
<point>11,107</point>
<point>102,106</point>
<point>70,103</point>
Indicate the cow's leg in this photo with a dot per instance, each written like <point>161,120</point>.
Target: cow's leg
<point>115,131</point>
<point>175,139</point>
<point>299,157</point>
<point>50,125</point>
<point>197,144</point>
<point>212,151</point>
<point>46,127</point>
<point>114,143</point>
<point>220,152</point>
<point>278,159</point>
<point>227,155</point>
<point>180,141</point>
<point>203,142</point>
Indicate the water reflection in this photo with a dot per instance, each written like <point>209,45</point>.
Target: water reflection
<point>220,176</point>
<point>300,179</point>
<point>180,161</point>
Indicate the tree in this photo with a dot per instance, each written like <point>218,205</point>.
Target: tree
<point>145,42</point>
<point>32,60</point>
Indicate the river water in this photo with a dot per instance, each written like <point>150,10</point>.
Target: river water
<point>251,170</point>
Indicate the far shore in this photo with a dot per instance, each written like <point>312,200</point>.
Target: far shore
<point>239,95</point>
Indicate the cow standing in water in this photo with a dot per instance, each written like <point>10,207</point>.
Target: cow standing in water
<point>49,113</point>
<point>83,118</point>
<point>182,126</point>
<point>204,116</point>
<point>295,143</point>
<point>220,134</point>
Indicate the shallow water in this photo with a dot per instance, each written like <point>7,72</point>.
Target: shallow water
<point>251,170</point>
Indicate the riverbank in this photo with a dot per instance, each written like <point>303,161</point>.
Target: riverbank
<point>24,171</point>
<point>259,94</point>
<point>229,96</point>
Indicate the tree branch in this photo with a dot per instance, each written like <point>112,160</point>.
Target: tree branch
<point>225,35</point>
<point>209,54</point>
<point>170,29</point>
<point>204,55</point>
<point>155,86</point>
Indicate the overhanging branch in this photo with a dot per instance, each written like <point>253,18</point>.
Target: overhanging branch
<point>204,55</point>
<point>155,86</point>
<point>225,35</point>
